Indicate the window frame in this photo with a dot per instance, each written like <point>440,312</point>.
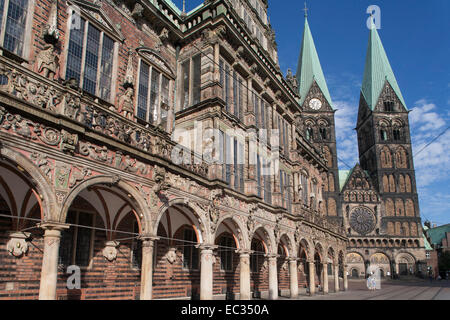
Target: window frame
<point>181,89</point>
<point>26,50</point>
<point>162,74</point>
<point>89,21</point>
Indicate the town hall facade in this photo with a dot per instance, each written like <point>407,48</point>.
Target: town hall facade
<point>108,170</point>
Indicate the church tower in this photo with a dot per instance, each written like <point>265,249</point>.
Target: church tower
<point>392,221</point>
<point>318,119</point>
<point>384,142</point>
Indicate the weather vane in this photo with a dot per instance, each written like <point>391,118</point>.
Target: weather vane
<point>306,10</point>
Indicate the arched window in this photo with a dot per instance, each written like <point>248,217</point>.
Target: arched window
<point>323,133</point>
<point>383,135</point>
<point>310,134</point>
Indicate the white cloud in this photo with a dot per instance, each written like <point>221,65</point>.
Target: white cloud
<point>431,163</point>
<point>346,139</point>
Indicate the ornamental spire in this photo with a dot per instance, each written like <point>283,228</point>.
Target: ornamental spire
<point>377,71</point>
<point>309,68</point>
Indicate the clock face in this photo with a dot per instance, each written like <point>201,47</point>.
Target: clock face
<point>315,104</point>
<point>362,220</point>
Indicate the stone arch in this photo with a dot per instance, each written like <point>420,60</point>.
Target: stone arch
<point>331,255</point>
<point>46,192</point>
<point>408,185</point>
<point>266,237</point>
<point>355,261</point>
<point>386,158</point>
<point>137,202</point>
<point>392,183</point>
<point>414,230</point>
<point>405,262</point>
<point>319,250</point>
<point>401,183</point>
<point>405,228</point>
<point>399,207</point>
<point>389,204</point>
<point>401,158</point>
<point>195,213</point>
<point>409,204</point>
<point>379,261</point>
<point>289,243</point>
<point>390,228</point>
<point>241,236</point>
<point>385,183</point>
<point>398,228</point>
<point>304,246</point>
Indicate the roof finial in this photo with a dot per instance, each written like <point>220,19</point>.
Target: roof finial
<point>306,10</point>
<point>184,6</point>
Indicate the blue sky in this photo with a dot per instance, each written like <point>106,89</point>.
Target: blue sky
<point>416,37</point>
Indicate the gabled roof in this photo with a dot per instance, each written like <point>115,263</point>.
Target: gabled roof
<point>343,177</point>
<point>377,71</point>
<point>309,68</point>
<point>437,234</point>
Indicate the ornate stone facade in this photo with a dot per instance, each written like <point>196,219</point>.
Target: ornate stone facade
<point>90,147</point>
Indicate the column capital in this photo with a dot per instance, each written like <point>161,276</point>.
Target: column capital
<point>271,256</point>
<point>292,259</point>
<point>148,237</point>
<point>206,246</point>
<point>53,225</point>
<point>244,252</point>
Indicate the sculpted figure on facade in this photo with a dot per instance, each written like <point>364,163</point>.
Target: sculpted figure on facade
<point>48,62</point>
<point>126,103</point>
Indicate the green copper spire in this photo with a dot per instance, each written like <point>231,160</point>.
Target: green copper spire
<point>309,68</point>
<point>377,71</point>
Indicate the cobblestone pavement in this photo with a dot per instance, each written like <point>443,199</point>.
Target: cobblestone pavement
<point>390,290</point>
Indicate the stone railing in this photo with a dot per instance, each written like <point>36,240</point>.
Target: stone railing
<point>101,117</point>
<point>314,217</point>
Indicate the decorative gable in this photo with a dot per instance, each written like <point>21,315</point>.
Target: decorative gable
<point>388,94</point>
<point>94,12</point>
<point>359,187</point>
<point>316,92</point>
<point>153,57</point>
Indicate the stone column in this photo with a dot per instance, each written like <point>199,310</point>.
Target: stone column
<point>325,278</point>
<point>336,277</point>
<point>312,282</point>
<point>49,271</point>
<point>345,279</point>
<point>147,267</point>
<point>293,277</point>
<point>273,280</point>
<point>206,272</point>
<point>244,278</point>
